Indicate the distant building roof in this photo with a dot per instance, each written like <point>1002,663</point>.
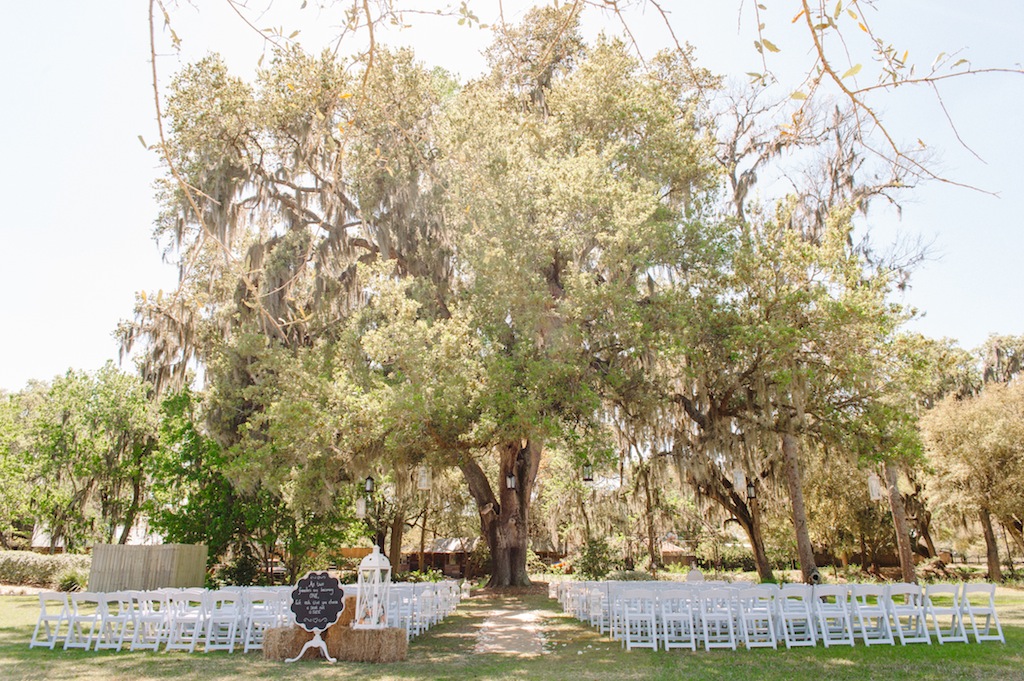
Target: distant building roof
<point>451,545</point>
<point>668,548</point>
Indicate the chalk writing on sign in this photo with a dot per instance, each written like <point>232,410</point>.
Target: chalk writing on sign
<point>317,601</point>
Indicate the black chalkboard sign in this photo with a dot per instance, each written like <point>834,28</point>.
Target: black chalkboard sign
<point>317,601</point>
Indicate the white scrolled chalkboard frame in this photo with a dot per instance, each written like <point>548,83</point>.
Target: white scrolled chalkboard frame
<point>317,641</point>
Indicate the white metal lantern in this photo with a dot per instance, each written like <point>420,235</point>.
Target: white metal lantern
<point>739,481</point>
<point>423,479</point>
<point>875,487</point>
<point>374,584</point>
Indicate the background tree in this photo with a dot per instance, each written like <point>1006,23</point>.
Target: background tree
<point>92,435</point>
<point>18,467</point>
<point>976,447</point>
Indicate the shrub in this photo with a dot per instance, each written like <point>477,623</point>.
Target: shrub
<point>72,579</point>
<point>595,560</point>
<point>479,561</point>
<point>430,575</point>
<point>630,576</point>
<point>25,568</point>
<point>244,569</point>
<point>534,565</point>
<point>724,556</point>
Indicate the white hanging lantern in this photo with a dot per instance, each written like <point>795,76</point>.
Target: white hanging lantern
<point>423,479</point>
<point>874,486</point>
<point>374,584</point>
<point>739,481</point>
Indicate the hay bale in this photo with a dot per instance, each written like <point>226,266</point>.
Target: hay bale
<point>348,614</point>
<point>284,643</point>
<point>367,645</point>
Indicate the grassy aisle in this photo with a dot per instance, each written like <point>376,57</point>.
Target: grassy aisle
<point>574,652</point>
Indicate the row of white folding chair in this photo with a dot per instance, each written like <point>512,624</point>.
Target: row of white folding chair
<point>417,607</point>
<point>906,609</point>
<point>834,613</point>
<point>178,617</point>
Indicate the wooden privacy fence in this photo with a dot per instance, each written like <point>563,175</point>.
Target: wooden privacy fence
<point>116,567</point>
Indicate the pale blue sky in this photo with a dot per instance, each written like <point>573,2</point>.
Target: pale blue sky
<point>76,183</point>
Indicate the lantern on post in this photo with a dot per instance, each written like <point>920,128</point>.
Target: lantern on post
<point>374,583</point>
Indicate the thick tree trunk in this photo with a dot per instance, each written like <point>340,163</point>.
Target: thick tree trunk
<point>423,537</point>
<point>924,528</point>
<point>1012,528</point>
<point>995,573</point>
<point>748,514</point>
<point>756,535</point>
<point>504,520</point>
<point>652,540</point>
<point>899,520</point>
<point>791,461</point>
<point>397,530</point>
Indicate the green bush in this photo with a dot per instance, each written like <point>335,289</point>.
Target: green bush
<point>722,556</point>
<point>630,576</point>
<point>534,565</point>
<point>72,579</point>
<point>430,575</point>
<point>479,561</point>
<point>595,561</point>
<point>25,568</point>
<point>244,570</point>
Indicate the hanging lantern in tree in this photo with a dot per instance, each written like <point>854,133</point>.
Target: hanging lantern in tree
<point>510,481</point>
<point>369,485</point>
<point>423,479</point>
<point>739,481</point>
<point>588,472</point>
<point>374,583</point>
<point>874,486</point>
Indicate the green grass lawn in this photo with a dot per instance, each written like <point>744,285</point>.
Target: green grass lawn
<point>575,652</point>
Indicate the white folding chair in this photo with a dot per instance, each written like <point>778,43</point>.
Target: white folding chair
<point>676,616</point>
<point>615,610</point>
<point>795,616</point>
<point>906,608</point>
<point>639,625</point>
<point>598,607</point>
<point>942,601</point>
<point>757,616</point>
<point>53,615</point>
<point>717,615</point>
<point>117,618</point>
<point>831,605</point>
<point>424,608</point>
<point>871,613</point>
<point>263,610</point>
<point>152,620</point>
<point>224,608</point>
<point>399,608</point>
<point>83,619</point>
<point>188,609</point>
<point>979,602</point>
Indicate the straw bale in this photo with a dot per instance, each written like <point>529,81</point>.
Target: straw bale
<point>367,645</point>
<point>348,614</point>
<point>284,643</point>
